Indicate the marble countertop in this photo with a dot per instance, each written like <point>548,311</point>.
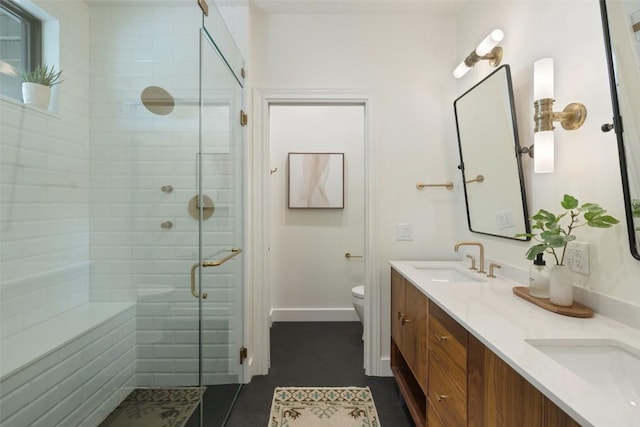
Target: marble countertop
<point>504,322</point>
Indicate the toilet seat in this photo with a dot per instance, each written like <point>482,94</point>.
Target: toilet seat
<point>358,292</point>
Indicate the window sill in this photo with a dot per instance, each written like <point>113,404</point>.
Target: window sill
<point>18,104</point>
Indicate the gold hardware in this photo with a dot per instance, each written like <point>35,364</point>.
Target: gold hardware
<point>167,225</point>
<point>194,292</point>
<point>441,397</point>
<point>243,354</point>
<point>473,262</point>
<point>157,100</point>
<point>571,118</point>
<point>448,185</point>
<point>491,267</point>
<point>272,171</point>
<point>207,209</point>
<point>405,320</point>
<point>166,189</point>
<point>479,245</point>
<point>400,315</point>
<point>204,6</point>
<point>494,57</point>
<point>441,338</point>
<point>244,118</point>
<point>349,256</point>
<point>479,178</point>
<point>636,27</point>
<point>243,73</point>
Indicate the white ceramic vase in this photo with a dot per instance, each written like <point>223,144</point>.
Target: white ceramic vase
<point>36,94</point>
<point>560,286</point>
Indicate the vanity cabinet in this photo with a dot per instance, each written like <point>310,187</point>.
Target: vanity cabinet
<point>409,317</point>
<point>499,396</point>
<point>448,378</point>
<point>447,360</point>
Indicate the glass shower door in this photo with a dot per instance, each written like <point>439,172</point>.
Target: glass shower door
<point>220,272</point>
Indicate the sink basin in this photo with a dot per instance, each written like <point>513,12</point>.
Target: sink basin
<point>448,274</point>
<point>609,365</point>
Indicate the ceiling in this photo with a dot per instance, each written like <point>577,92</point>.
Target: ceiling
<point>314,6</point>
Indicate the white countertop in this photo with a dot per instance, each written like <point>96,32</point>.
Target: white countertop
<point>503,321</point>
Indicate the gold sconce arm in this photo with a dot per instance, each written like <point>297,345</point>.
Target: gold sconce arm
<point>216,263</point>
<point>479,178</point>
<point>494,57</point>
<point>447,185</point>
<point>571,118</point>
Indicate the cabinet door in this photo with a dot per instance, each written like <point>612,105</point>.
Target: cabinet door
<point>398,291</point>
<point>414,338</point>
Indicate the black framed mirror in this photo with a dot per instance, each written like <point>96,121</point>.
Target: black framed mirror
<point>621,27</point>
<point>489,158</point>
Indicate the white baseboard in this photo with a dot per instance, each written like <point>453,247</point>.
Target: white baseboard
<point>313,315</point>
<point>385,367</point>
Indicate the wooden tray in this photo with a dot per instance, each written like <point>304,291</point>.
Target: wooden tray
<point>574,310</point>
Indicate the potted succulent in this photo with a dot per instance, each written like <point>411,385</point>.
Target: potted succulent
<point>553,238</point>
<point>36,88</point>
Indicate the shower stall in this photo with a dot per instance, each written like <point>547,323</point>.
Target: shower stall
<point>121,222</point>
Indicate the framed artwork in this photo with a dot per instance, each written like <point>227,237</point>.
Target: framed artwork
<point>316,181</point>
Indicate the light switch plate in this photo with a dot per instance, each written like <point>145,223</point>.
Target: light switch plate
<point>404,232</point>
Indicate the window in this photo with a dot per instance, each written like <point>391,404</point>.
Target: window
<point>20,44</point>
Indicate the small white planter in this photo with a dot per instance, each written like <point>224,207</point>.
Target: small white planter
<point>36,94</point>
<point>560,285</point>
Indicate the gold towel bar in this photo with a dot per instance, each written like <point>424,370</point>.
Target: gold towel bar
<point>448,185</point>
<point>216,263</point>
<point>479,178</point>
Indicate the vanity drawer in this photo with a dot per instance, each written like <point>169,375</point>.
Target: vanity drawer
<point>448,345</point>
<point>446,397</point>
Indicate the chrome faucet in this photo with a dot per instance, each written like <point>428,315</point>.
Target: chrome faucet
<point>478,244</point>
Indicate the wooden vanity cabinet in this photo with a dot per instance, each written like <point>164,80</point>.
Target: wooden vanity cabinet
<point>499,396</point>
<point>447,359</point>
<point>448,378</point>
<point>409,316</point>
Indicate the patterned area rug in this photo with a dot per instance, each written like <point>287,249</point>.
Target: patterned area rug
<point>155,407</point>
<point>323,406</point>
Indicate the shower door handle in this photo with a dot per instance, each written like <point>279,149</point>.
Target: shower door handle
<point>216,263</point>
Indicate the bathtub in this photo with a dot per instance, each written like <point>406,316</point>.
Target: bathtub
<point>71,369</point>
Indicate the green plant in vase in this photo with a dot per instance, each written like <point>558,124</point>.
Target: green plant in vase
<point>42,75</point>
<point>553,237</point>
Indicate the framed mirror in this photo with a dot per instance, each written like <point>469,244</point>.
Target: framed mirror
<point>621,26</point>
<point>489,158</point>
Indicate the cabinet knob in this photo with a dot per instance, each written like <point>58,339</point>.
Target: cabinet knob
<point>441,338</point>
<point>441,397</point>
<point>405,320</point>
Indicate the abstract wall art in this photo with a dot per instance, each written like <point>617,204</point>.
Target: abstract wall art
<point>316,180</point>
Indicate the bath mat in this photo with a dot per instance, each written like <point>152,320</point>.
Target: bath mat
<point>323,406</point>
<point>155,407</point>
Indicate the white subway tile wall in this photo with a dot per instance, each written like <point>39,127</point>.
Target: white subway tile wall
<point>134,153</point>
<point>78,383</point>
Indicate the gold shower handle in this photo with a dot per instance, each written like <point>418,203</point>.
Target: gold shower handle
<point>216,263</point>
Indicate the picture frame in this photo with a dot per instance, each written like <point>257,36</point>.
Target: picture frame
<point>316,180</point>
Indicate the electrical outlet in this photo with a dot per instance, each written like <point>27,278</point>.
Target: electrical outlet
<point>404,232</point>
<point>577,257</point>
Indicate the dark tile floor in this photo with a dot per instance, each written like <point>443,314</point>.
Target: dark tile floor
<point>323,354</point>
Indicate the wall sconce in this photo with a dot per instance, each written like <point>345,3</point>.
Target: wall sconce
<point>571,118</point>
<point>487,49</point>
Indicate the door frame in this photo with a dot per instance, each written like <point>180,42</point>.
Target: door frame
<point>258,274</point>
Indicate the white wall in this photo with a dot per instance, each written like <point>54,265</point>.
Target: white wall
<point>586,159</point>
<point>399,59</point>
<point>44,200</point>
<point>310,277</point>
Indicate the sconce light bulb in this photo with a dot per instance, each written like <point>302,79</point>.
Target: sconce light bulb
<point>543,158</point>
<point>8,69</point>
<point>489,42</point>
<point>461,70</point>
<point>543,79</point>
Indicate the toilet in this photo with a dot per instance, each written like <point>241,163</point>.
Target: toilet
<point>357,298</point>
